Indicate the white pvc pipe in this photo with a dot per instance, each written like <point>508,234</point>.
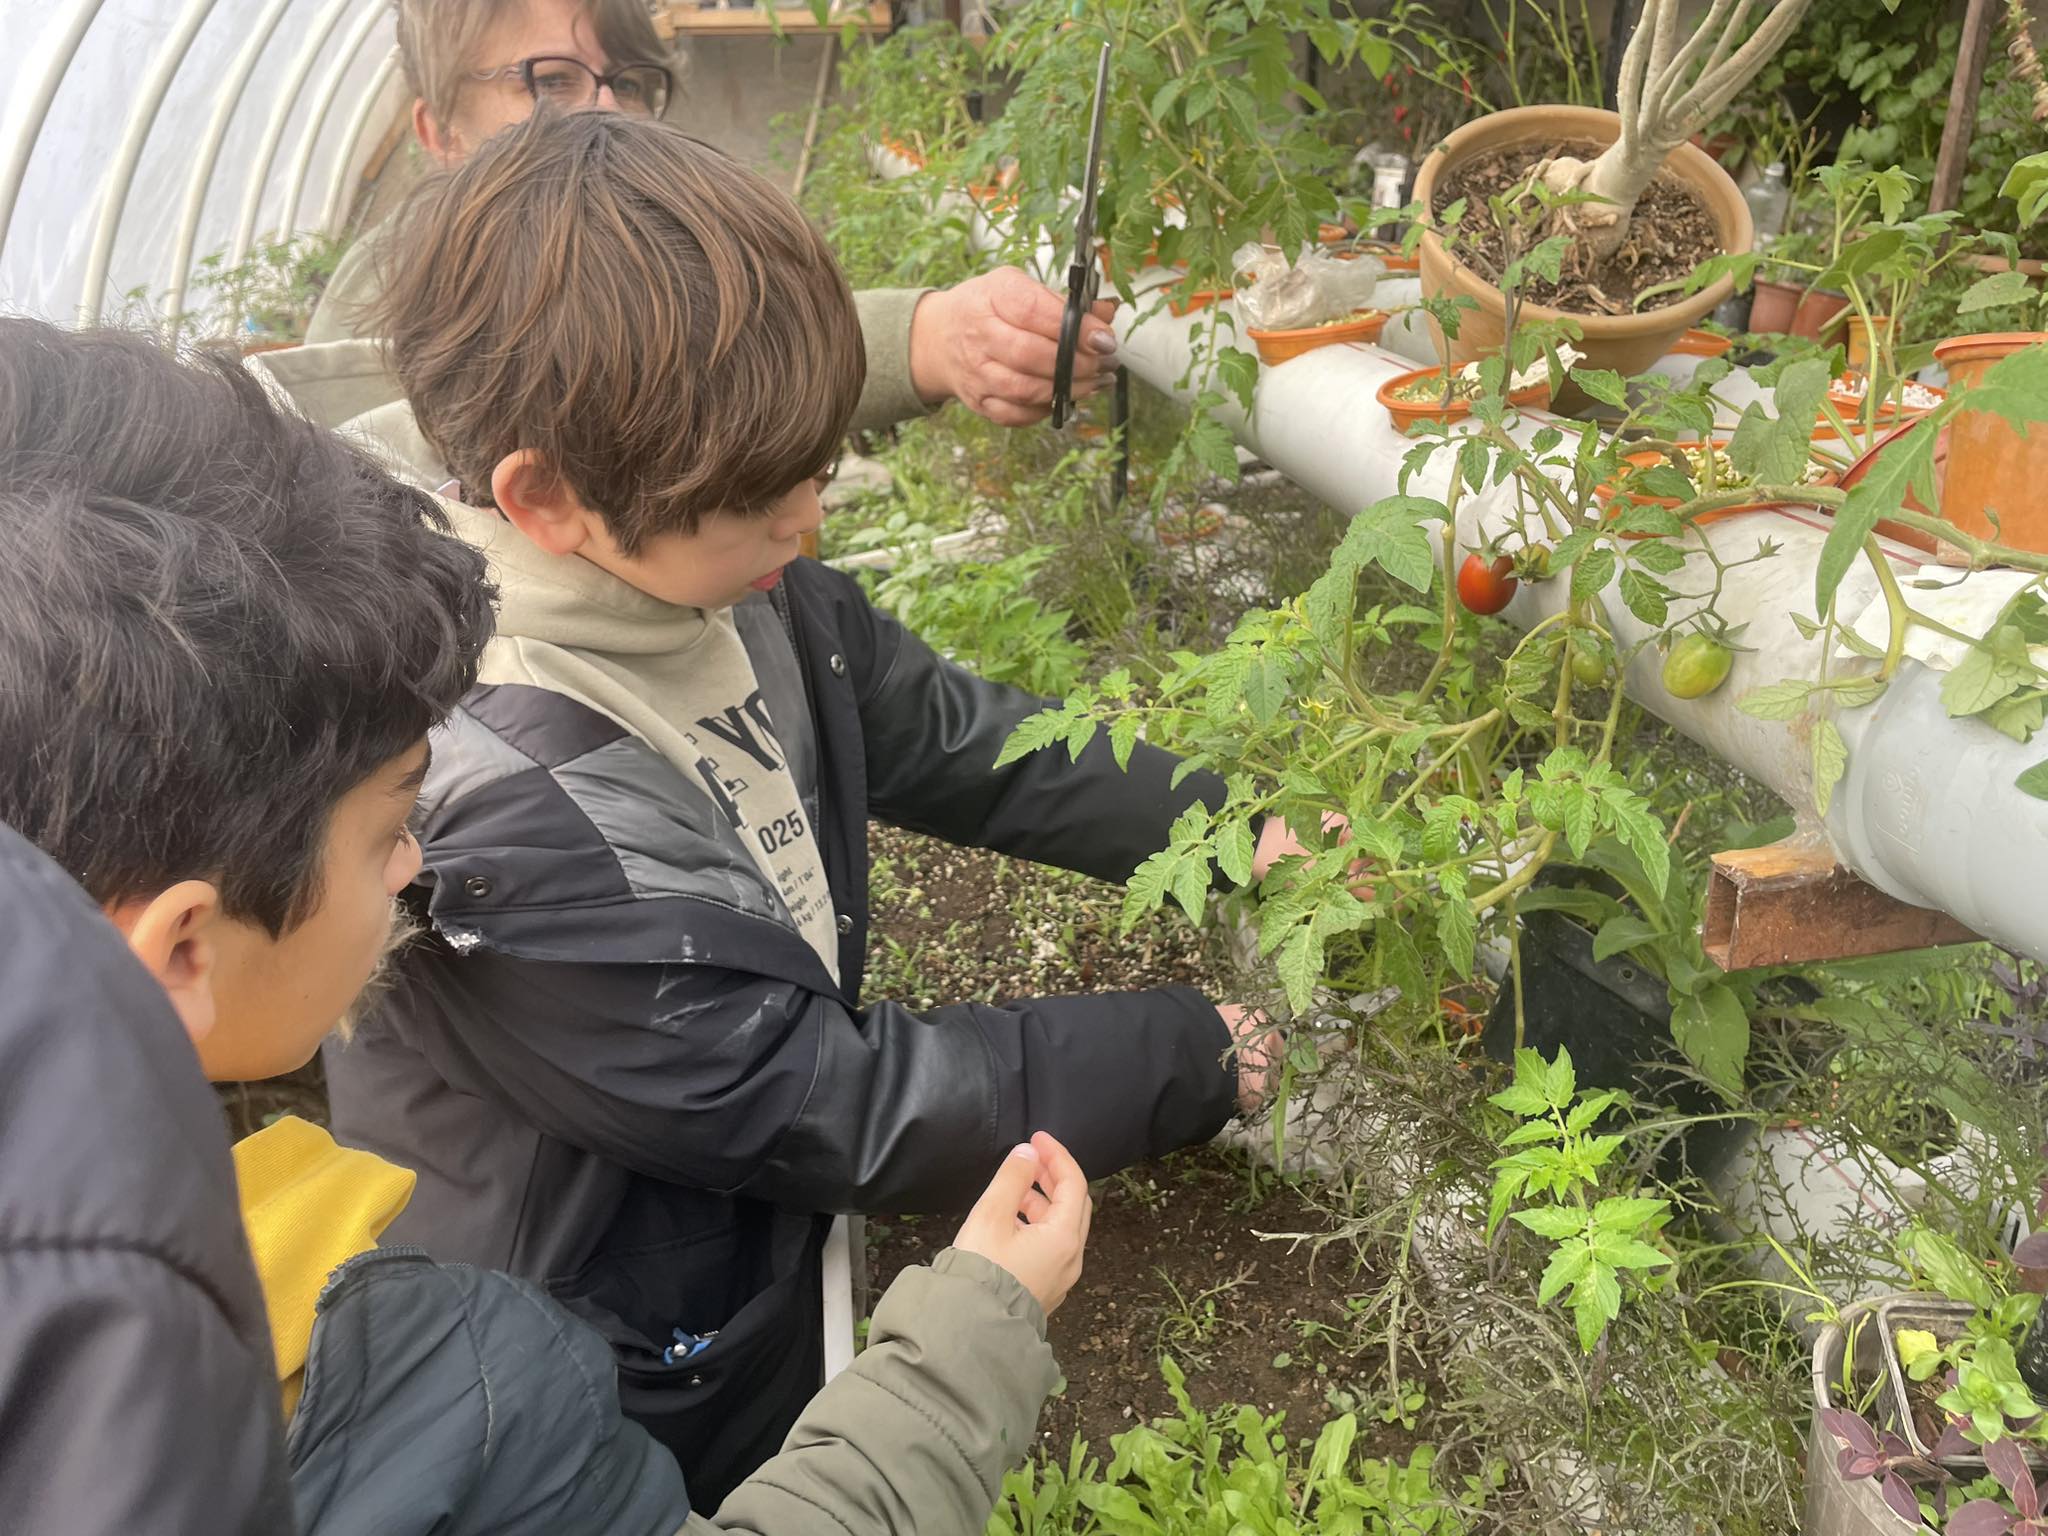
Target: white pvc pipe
<point>201,179</point>
<point>121,175</point>
<point>1927,812</point>
<point>336,214</point>
<point>27,127</point>
<point>837,1317</point>
<point>280,116</point>
<point>317,118</point>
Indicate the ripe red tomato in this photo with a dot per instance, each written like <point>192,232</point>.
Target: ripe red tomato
<point>1697,665</point>
<point>1485,588</point>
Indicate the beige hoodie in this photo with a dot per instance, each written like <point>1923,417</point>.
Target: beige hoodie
<point>682,680</point>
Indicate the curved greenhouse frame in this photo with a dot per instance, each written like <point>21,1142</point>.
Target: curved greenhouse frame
<point>143,146</point>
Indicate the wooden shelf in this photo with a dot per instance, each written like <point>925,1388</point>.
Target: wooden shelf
<point>749,21</point>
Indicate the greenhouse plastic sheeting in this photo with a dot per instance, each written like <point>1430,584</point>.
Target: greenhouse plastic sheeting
<point>148,87</point>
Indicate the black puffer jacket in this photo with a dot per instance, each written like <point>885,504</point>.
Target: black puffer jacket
<point>619,1071</point>
<point>138,1390</point>
<point>442,1400</point>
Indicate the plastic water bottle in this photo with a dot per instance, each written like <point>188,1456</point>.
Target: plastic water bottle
<point>1769,200</point>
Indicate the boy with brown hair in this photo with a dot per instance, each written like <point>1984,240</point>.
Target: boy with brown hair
<point>632,1059</point>
<point>476,67</point>
<point>224,636</point>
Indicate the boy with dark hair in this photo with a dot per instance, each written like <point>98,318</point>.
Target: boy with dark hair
<point>224,636</point>
<point>632,1060</point>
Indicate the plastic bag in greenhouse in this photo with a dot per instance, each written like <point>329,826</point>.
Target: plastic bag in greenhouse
<point>1275,294</point>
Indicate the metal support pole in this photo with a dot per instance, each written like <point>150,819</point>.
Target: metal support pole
<point>336,215</point>
<point>23,132</point>
<point>201,179</point>
<point>121,174</point>
<point>1626,14</point>
<point>1954,157</point>
<point>803,159</point>
<point>1120,424</point>
<point>280,115</point>
<point>316,120</point>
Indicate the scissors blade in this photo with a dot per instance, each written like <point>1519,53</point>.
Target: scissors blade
<point>1084,224</point>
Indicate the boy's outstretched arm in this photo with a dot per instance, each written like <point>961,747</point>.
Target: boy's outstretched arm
<point>740,1083</point>
<point>933,731</point>
<point>917,1434</point>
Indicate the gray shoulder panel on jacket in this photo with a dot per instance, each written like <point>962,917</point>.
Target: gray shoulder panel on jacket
<point>610,801</point>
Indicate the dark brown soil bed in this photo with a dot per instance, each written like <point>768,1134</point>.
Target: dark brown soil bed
<point>1671,233</point>
<point>1176,1266</point>
<point>955,925</point>
<point>1175,1263</point>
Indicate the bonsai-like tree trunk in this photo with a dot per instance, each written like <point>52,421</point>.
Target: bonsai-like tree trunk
<point>1669,90</point>
<point>2026,63</point>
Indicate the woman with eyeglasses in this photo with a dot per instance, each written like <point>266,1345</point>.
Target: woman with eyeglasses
<point>476,66</point>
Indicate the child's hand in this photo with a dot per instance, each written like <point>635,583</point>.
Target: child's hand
<point>1259,1049</point>
<point>1277,841</point>
<point>1033,1220</point>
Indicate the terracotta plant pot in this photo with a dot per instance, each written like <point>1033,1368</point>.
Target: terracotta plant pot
<point>1406,413</point>
<point>1392,257</point>
<point>1625,343</point>
<point>1853,475</point>
<point>1991,464</point>
<point>1180,302</point>
<point>1850,404</point>
<point>1819,310</point>
<point>1178,526</point>
<point>903,152</point>
<point>1617,496</point>
<point>2032,266</point>
<point>1700,344</point>
<point>1277,347</point>
<point>1863,339</point>
<point>1772,309</point>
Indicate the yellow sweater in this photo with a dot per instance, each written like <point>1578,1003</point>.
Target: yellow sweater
<point>308,1206</point>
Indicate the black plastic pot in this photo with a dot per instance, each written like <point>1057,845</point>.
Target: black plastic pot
<point>1614,1016</point>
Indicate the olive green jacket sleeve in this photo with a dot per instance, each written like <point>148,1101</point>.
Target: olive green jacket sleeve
<point>350,291</point>
<point>916,1434</point>
<point>884,326</point>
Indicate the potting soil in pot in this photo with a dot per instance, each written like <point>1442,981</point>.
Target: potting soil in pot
<point>1671,233</point>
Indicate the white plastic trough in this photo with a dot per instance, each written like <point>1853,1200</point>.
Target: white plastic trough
<point>1928,810</point>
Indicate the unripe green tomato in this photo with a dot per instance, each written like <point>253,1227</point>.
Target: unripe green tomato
<point>1697,665</point>
<point>1587,666</point>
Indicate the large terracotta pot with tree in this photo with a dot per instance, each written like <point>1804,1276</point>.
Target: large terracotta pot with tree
<point>1673,82</point>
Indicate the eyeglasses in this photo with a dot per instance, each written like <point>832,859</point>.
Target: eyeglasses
<point>572,85</point>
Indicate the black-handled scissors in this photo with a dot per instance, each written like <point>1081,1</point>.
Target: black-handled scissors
<point>1084,277</point>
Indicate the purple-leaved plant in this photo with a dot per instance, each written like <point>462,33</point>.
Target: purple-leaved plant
<point>1885,1458</point>
<point>1988,1517</point>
